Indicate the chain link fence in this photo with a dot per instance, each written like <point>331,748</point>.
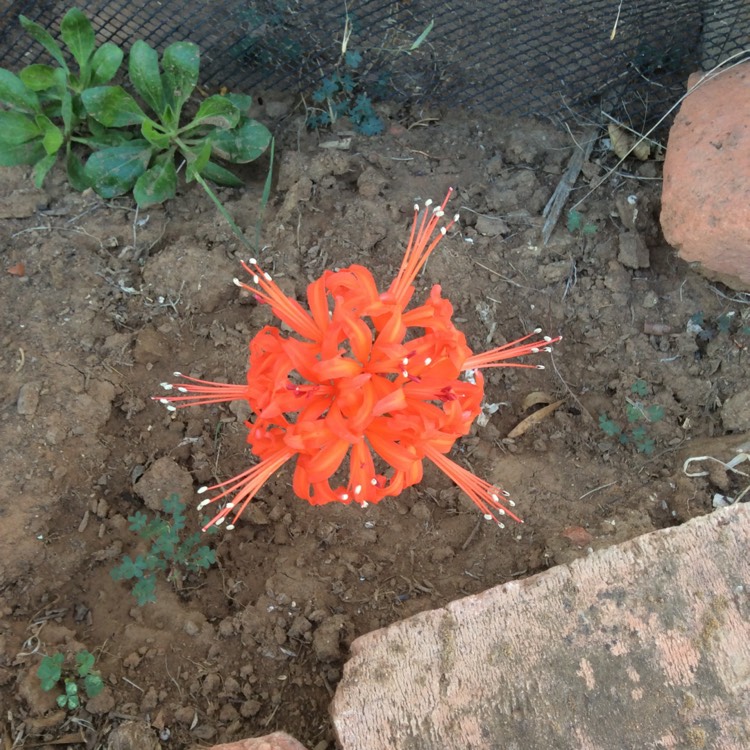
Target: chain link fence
<point>535,57</point>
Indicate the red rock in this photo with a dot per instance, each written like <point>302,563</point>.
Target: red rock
<point>706,195</point>
<point>642,644</point>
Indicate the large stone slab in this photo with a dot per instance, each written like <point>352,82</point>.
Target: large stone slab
<point>706,195</point>
<point>642,645</point>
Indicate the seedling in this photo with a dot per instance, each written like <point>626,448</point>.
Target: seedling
<point>639,416</point>
<point>86,679</point>
<point>172,552</point>
<point>348,91</point>
<point>576,223</point>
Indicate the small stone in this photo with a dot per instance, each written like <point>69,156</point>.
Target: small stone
<point>650,300</point>
<point>162,479</point>
<point>491,226</point>
<point>28,399</point>
<point>633,251</point>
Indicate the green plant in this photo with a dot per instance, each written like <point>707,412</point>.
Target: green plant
<point>728,323</point>
<point>576,223</point>
<point>219,129</point>
<point>347,90</point>
<point>45,113</point>
<point>51,107</point>
<point>50,673</point>
<point>639,416</point>
<point>171,551</point>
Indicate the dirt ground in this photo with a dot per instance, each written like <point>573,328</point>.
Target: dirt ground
<point>109,302</point>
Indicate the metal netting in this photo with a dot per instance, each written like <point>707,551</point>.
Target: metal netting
<point>517,57</point>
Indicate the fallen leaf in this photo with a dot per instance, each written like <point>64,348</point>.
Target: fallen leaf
<point>534,419</point>
<point>624,144</point>
<point>536,397</point>
<point>17,269</point>
<point>578,535</point>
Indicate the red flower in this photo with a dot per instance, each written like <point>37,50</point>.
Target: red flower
<point>365,378</point>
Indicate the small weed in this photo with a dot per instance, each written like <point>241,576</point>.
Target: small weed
<point>577,224</point>
<point>639,416</point>
<point>86,678</point>
<point>707,329</point>
<point>172,552</point>
<point>349,90</point>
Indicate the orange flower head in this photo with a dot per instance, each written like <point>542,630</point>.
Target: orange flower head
<point>363,390</point>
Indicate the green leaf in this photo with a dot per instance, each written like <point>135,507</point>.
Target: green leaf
<point>181,65</point>
<point>172,504</point>
<point>221,176</point>
<point>42,168</point>
<point>197,160</point>
<point>154,134</point>
<point>243,102</point>
<point>640,387</point>
<point>655,413</point>
<point>14,92</point>
<point>145,590</point>
<point>216,110</point>
<point>53,136</point>
<point>62,701</point>
<point>84,662</point>
<point>126,570</point>
<point>50,670</point>
<point>608,426</point>
<point>16,127</point>
<point>38,77</point>
<point>22,153</point>
<point>77,33</point>
<point>105,63</point>
<point>76,175</point>
<point>143,69</point>
<point>112,106</point>
<point>156,185</point>
<point>44,38</point>
<point>243,144</point>
<point>93,685</point>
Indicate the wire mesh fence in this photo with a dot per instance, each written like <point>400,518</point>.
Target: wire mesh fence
<point>535,57</point>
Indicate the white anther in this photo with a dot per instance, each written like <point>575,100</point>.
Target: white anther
<point>237,282</point>
<point>443,231</point>
<point>438,212</point>
<point>171,408</point>
<point>267,276</point>
<point>534,349</point>
<point>182,389</point>
<point>201,505</point>
<point>428,202</point>
<point>252,262</point>
<point>501,525</point>
<point>547,349</point>
<point>405,373</point>
<point>501,511</point>
<point>220,520</point>
<point>548,339</point>
<point>428,360</point>
<point>540,367</point>
<point>365,503</point>
<point>344,496</point>
<point>405,361</point>
<point>229,506</point>
<point>456,217</point>
<point>537,330</point>
<point>507,494</point>
<point>495,498</point>
<point>230,526</point>
<point>487,517</point>
<point>201,490</point>
<point>164,401</point>
<point>256,279</point>
<point>512,503</point>
<point>374,482</point>
<point>416,206</point>
<point>358,489</point>
<point>177,374</point>
<point>166,386</point>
